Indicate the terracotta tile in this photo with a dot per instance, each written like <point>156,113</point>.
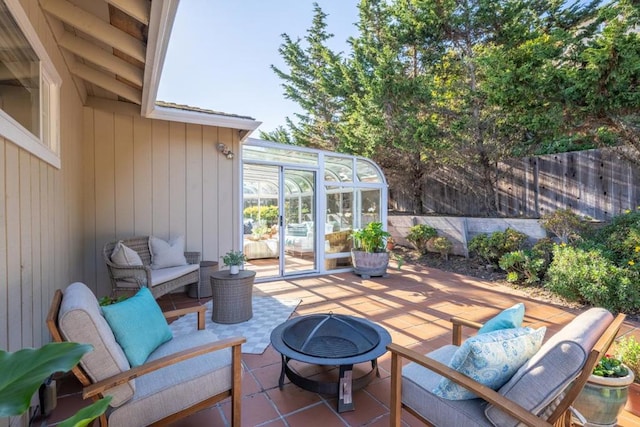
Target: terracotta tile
<point>319,415</point>
<point>256,410</point>
<point>380,390</point>
<point>366,409</point>
<point>249,384</point>
<point>292,398</point>
<point>268,376</point>
<point>208,417</point>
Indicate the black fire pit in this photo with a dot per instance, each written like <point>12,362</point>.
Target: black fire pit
<point>330,339</point>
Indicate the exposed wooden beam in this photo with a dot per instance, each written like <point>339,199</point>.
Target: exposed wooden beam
<point>91,52</point>
<point>95,27</point>
<point>111,106</point>
<point>107,82</point>
<point>138,9</point>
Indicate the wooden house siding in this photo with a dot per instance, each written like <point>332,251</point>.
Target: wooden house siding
<point>41,223</point>
<point>153,177</point>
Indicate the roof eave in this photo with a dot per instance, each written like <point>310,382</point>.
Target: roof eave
<point>173,114</point>
<point>162,16</point>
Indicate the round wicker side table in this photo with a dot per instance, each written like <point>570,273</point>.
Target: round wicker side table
<point>232,296</point>
<point>201,289</point>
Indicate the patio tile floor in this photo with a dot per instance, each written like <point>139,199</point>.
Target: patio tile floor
<point>413,305</point>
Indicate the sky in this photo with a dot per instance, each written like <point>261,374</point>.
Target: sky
<point>220,53</point>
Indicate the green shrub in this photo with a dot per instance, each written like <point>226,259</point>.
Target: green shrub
<point>442,245</point>
<point>268,214</point>
<point>492,247</point>
<point>628,350</point>
<point>620,240</point>
<point>523,266</point>
<point>565,224</point>
<point>585,275</point>
<point>420,235</point>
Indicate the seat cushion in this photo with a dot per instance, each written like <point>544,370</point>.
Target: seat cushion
<point>417,382</point>
<point>491,359</point>
<point>80,320</point>
<point>511,317</point>
<point>138,325</point>
<point>558,362</point>
<point>164,275</point>
<point>176,387</point>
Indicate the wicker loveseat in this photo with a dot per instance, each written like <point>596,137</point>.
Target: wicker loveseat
<point>128,279</point>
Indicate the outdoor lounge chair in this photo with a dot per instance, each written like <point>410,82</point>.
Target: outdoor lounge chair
<point>184,375</point>
<point>538,394</point>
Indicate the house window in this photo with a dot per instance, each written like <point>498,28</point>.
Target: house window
<point>29,87</point>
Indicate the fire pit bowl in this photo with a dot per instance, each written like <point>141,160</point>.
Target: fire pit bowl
<point>330,335</point>
<point>334,340</point>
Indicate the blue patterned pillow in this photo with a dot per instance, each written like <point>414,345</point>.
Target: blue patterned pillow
<point>491,359</point>
<point>509,318</point>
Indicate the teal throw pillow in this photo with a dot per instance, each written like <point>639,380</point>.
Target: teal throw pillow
<point>491,359</point>
<point>138,325</point>
<point>507,319</point>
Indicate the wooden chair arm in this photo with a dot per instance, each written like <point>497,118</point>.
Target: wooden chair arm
<point>200,309</point>
<point>458,323</point>
<point>478,389</point>
<point>123,377</point>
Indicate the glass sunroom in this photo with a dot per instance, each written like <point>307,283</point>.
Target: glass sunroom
<point>300,205</point>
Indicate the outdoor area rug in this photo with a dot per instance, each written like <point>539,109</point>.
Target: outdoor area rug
<point>268,313</point>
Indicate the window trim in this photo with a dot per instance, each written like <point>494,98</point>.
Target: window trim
<point>50,80</point>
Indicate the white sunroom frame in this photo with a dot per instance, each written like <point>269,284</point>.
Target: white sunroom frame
<point>320,192</point>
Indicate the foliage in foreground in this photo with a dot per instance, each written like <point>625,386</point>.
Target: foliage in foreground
<point>22,373</point>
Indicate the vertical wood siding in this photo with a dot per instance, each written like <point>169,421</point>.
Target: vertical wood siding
<point>160,178</point>
<point>41,219</point>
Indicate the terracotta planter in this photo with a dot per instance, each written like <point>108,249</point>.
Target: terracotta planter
<point>633,400</point>
<point>602,399</point>
<point>368,264</point>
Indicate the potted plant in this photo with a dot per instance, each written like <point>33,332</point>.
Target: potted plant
<point>628,350</point>
<point>369,254</point>
<point>605,393</point>
<point>234,259</point>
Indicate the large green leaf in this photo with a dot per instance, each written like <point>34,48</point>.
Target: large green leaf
<point>88,414</point>
<point>22,372</point>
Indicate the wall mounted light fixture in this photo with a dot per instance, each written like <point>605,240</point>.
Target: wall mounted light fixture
<point>225,150</point>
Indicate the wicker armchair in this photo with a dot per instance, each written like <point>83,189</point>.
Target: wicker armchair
<point>128,279</point>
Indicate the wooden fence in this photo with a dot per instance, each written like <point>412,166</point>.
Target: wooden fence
<point>595,183</point>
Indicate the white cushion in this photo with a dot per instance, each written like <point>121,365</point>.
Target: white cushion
<point>165,274</point>
<point>166,254</point>
<point>124,255</point>
<point>491,359</point>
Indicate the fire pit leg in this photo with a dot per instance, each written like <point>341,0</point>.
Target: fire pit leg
<point>284,364</point>
<point>345,389</point>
